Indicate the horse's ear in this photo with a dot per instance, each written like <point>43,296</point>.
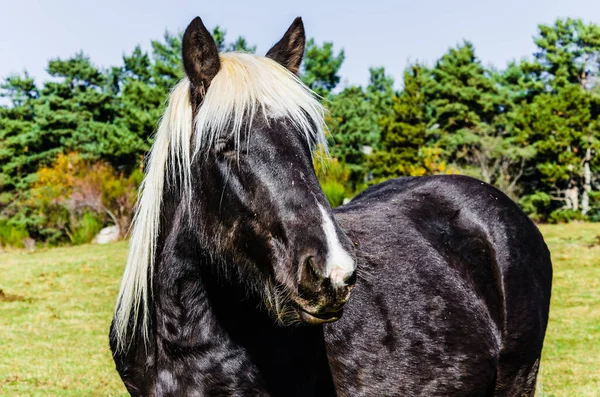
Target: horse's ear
<point>200,54</point>
<point>290,49</point>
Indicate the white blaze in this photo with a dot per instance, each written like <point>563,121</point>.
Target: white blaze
<point>340,264</point>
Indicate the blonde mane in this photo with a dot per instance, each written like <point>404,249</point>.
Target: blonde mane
<point>244,86</point>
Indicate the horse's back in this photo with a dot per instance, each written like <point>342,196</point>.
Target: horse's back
<point>453,292</point>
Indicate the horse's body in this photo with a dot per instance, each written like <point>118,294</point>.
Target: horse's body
<point>455,278</point>
<point>239,271</point>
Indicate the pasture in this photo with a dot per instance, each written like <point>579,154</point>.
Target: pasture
<point>56,305</point>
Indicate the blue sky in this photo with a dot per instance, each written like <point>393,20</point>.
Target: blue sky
<point>373,33</point>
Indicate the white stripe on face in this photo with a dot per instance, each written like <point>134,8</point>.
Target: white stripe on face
<point>340,264</point>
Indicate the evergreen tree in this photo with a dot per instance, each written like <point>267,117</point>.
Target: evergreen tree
<point>563,128</point>
<point>468,108</point>
<point>404,130</point>
<point>320,70</point>
<point>352,129</point>
<point>239,44</point>
<point>563,121</point>
<point>569,52</point>
<point>16,126</point>
<point>354,123</point>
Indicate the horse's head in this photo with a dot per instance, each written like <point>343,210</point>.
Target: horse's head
<point>261,207</point>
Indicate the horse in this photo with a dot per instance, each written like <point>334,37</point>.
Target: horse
<point>241,280</point>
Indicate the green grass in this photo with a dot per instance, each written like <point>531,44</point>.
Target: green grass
<point>56,307</point>
<point>571,356</point>
<point>55,312</point>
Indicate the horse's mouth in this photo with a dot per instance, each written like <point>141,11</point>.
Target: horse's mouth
<point>321,318</point>
<point>315,318</point>
<point>314,313</point>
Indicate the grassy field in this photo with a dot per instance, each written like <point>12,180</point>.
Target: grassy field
<point>56,304</point>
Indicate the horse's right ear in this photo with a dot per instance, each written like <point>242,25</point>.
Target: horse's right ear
<point>200,54</point>
<point>290,49</point>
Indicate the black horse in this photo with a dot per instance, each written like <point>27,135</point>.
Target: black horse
<point>242,281</point>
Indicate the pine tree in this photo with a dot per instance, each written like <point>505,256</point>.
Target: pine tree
<point>320,68</point>
<point>563,129</point>
<point>468,109</point>
<point>354,123</point>
<point>569,52</point>
<point>16,126</point>
<point>564,119</point>
<point>404,130</point>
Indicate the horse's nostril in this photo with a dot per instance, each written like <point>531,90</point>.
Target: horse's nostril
<point>311,270</point>
<point>350,279</point>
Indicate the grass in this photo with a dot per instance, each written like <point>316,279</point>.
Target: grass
<point>571,356</point>
<point>56,307</point>
<point>55,311</point>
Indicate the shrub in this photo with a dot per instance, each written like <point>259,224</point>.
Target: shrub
<point>565,216</point>
<point>536,205</point>
<point>594,213</point>
<point>335,192</point>
<point>85,228</point>
<point>334,177</point>
<point>12,235</point>
<point>73,198</point>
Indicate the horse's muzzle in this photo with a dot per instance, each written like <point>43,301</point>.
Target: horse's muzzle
<point>320,300</point>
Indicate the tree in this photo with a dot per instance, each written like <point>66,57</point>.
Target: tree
<point>239,44</point>
<point>320,70</point>
<point>405,147</point>
<point>16,122</point>
<point>73,110</point>
<point>353,130</point>
<point>563,118</point>
<point>565,136</point>
<point>468,112</point>
<point>404,129</point>
<point>354,123</point>
<point>569,52</point>
<point>106,116</point>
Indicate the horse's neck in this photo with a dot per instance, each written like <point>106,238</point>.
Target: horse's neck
<point>208,333</point>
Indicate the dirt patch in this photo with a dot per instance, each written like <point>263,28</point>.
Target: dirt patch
<point>4,297</point>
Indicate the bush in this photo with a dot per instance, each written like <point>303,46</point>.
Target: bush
<point>334,178</point>
<point>565,216</point>
<point>12,235</point>
<point>86,228</point>
<point>335,192</point>
<point>594,214</point>
<point>536,205</point>
<point>73,198</point>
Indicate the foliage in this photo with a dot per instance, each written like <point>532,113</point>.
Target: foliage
<point>321,67</point>
<point>73,198</point>
<point>86,227</point>
<point>568,52</point>
<point>404,130</point>
<point>354,123</point>
<point>565,216</point>
<point>535,205</point>
<point>530,129</point>
<point>12,235</point>
<point>468,119</point>
<point>334,178</point>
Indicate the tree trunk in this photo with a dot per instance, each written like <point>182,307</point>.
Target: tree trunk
<point>572,198</point>
<point>587,184</point>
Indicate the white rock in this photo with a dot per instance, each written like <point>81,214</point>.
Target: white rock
<point>107,235</point>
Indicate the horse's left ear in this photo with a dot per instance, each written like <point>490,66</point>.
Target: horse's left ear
<point>200,54</point>
<point>289,50</point>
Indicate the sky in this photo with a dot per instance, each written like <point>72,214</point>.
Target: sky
<point>372,32</point>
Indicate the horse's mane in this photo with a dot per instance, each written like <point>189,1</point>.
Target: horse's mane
<point>244,86</point>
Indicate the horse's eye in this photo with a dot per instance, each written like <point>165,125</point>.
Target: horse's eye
<point>224,146</point>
